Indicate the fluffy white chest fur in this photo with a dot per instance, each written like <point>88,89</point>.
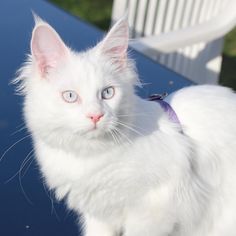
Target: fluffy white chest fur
<point>118,159</point>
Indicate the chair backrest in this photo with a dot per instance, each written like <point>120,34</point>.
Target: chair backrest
<point>200,62</point>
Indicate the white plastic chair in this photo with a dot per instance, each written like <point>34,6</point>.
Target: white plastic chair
<point>185,35</point>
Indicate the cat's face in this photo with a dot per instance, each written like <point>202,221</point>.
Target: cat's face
<point>73,96</point>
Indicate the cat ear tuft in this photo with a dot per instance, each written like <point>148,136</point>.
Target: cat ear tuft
<point>37,19</point>
<point>115,44</point>
<point>47,48</point>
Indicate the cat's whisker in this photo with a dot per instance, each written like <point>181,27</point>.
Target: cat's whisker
<point>136,114</point>
<point>27,168</point>
<point>13,145</point>
<point>137,127</point>
<point>111,132</point>
<point>49,195</point>
<point>24,163</point>
<point>144,84</point>
<point>20,125</point>
<point>125,136</point>
<point>129,127</point>
<point>19,130</point>
<point>20,177</point>
<point>24,193</point>
<point>117,134</point>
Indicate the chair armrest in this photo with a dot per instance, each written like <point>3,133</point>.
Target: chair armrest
<point>205,32</point>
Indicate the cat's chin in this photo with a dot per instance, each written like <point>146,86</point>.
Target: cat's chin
<point>93,142</point>
<point>94,133</point>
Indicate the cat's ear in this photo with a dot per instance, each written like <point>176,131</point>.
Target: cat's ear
<point>47,48</point>
<point>115,44</point>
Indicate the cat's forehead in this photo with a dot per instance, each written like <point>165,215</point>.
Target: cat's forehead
<point>85,72</point>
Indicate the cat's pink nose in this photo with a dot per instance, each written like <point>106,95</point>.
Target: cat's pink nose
<point>95,117</point>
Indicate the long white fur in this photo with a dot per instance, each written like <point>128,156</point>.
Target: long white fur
<point>136,174</point>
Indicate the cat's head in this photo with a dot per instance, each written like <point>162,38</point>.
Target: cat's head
<point>73,98</point>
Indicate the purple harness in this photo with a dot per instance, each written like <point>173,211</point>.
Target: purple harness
<point>166,107</point>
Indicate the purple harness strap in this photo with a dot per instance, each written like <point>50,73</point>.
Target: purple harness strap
<point>166,107</point>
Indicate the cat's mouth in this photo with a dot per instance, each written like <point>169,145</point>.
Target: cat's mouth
<point>93,131</point>
<point>94,127</point>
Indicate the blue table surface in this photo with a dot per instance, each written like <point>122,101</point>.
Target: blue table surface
<point>26,206</point>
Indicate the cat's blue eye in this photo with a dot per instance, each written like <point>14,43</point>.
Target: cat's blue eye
<point>70,96</point>
<point>108,93</point>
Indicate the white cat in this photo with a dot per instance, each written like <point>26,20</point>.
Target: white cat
<point>119,160</point>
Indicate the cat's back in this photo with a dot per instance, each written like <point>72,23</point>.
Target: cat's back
<point>206,112</point>
<point>207,115</point>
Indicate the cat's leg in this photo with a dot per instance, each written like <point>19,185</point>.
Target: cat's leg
<point>154,216</point>
<point>94,227</point>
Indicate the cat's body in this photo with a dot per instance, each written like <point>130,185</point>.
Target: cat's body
<point>109,184</point>
<point>147,177</point>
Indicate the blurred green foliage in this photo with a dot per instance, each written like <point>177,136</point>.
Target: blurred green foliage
<point>98,12</point>
<point>228,70</point>
<point>230,43</point>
